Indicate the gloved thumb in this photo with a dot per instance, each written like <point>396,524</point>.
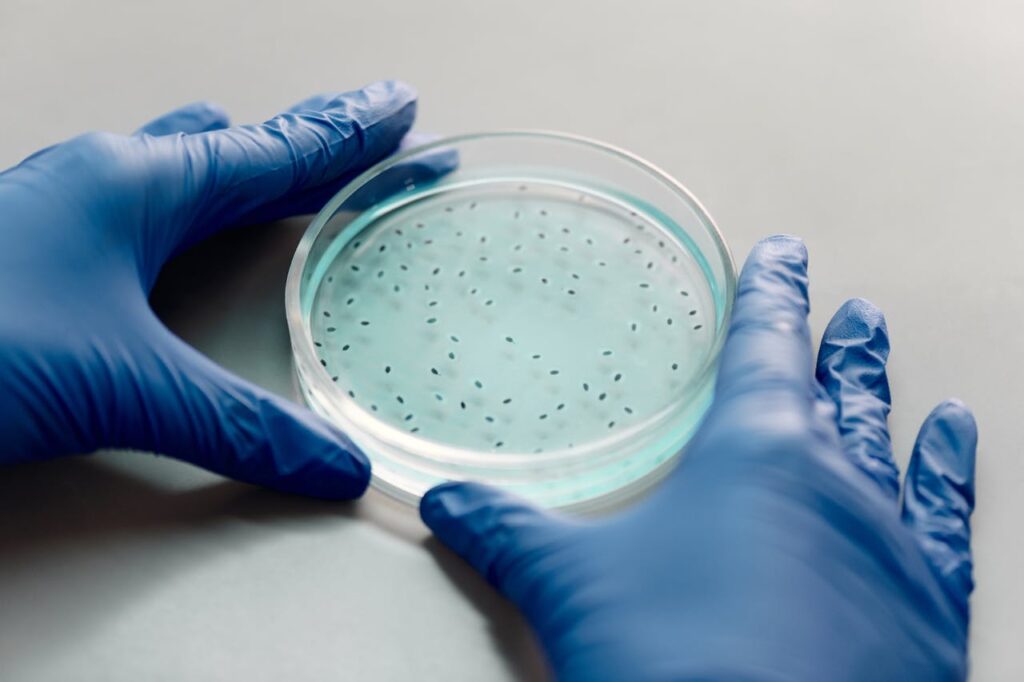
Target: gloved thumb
<point>498,533</point>
<point>187,407</point>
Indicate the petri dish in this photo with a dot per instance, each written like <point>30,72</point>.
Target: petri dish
<point>534,310</point>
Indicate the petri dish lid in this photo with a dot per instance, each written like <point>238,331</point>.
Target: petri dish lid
<point>533,310</point>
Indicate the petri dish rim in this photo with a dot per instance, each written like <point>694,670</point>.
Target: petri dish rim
<point>304,350</point>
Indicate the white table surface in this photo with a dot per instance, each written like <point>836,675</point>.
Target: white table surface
<point>889,134</point>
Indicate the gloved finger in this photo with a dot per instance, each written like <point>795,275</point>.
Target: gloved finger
<point>197,117</point>
<point>418,170</point>
<point>492,530</point>
<point>939,493</point>
<point>851,368</point>
<point>185,406</point>
<point>241,169</point>
<point>766,360</point>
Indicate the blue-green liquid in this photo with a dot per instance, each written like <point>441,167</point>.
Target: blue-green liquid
<point>515,315</point>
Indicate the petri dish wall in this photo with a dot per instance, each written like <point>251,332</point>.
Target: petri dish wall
<point>534,310</point>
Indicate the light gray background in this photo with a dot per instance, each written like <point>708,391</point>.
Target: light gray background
<point>889,134</point>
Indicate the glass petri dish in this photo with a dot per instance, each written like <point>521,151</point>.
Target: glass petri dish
<point>533,310</point>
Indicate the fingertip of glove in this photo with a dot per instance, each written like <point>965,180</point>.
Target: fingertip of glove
<point>778,253</point>
<point>782,244</point>
<point>343,473</point>
<point>865,310</point>
<point>955,405</point>
<point>946,451</point>
<point>212,114</point>
<point>438,504</point>
<point>862,320</point>
<point>384,111</point>
<point>776,268</point>
<point>351,470</point>
<point>386,91</point>
<point>314,458</point>
<point>957,415</point>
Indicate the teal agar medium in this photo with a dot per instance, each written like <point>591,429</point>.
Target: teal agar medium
<point>513,318</point>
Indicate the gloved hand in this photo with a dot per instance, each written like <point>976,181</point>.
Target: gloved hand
<point>777,549</point>
<point>85,227</point>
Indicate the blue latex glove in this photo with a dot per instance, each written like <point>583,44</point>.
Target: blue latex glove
<point>777,549</point>
<point>85,227</point>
